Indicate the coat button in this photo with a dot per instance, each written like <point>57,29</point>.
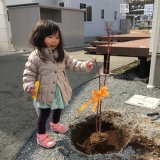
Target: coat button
<point>52,92</point>
<point>50,102</point>
<point>53,61</point>
<point>53,82</point>
<point>55,72</point>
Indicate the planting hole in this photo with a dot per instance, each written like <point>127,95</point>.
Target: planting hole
<point>87,140</point>
<point>118,135</point>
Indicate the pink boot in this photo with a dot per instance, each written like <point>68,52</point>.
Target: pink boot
<point>45,141</point>
<point>58,127</point>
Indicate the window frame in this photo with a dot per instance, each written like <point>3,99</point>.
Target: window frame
<point>102,14</point>
<point>89,15</point>
<point>115,15</point>
<point>61,3</point>
<point>85,7</point>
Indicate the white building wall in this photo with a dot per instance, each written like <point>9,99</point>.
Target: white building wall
<point>5,42</point>
<point>44,2</point>
<point>97,26</point>
<point>13,2</point>
<point>67,3</point>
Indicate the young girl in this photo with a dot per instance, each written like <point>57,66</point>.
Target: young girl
<point>47,64</point>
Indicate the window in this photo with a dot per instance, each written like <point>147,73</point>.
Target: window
<point>102,13</point>
<point>87,13</point>
<point>144,18</point>
<point>83,6</point>
<point>61,4</point>
<point>115,14</point>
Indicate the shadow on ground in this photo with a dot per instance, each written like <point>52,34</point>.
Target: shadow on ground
<point>131,71</point>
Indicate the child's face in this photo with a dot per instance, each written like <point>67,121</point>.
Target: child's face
<point>52,41</point>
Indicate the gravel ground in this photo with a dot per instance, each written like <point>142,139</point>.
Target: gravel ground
<point>18,118</point>
<point>17,115</point>
<point>120,90</point>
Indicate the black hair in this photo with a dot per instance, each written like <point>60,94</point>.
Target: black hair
<point>41,30</point>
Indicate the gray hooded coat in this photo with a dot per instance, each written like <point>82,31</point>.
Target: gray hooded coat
<point>49,74</point>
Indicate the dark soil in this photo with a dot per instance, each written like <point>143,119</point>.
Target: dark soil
<point>107,141</point>
<point>114,138</point>
<point>110,140</point>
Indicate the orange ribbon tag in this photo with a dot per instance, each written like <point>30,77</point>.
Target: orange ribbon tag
<point>97,96</point>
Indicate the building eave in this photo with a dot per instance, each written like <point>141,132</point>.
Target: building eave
<point>128,1</point>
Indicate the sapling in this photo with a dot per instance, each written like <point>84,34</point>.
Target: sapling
<point>102,92</point>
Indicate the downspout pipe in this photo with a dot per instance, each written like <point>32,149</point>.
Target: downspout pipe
<point>156,29</point>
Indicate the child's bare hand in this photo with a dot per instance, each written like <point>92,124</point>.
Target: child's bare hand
<point>89,65</point>
<point>32,92</point>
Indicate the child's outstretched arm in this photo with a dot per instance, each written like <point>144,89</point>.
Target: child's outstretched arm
<point>77,66</point>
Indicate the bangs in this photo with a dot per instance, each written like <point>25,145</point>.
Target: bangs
<point>50,28</point>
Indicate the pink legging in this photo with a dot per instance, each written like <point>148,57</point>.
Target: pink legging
<point>43,116</point>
